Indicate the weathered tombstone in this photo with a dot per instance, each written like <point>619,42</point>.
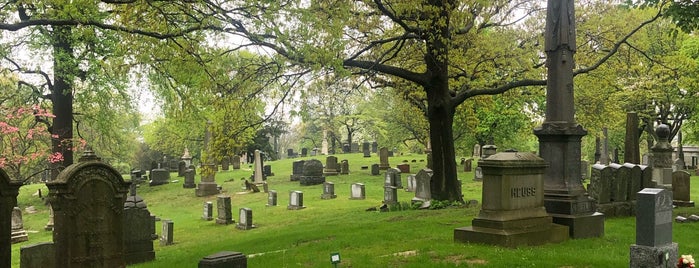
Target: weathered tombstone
<point>208,213</point>
<point>296,170</point>
<point>88,203</point>
<point>631,145</point>
<point>411,183</point>
<point>374,147</point>
<point>468,165</point>
<point>600,187</point>
<point>375,169</point>
<point>225,163</point>
<point>383,159</point>
<point>478,174</point>
<point>207,186</point>
<point>357,191</point>
<point>661,154</point>
<point>345,148</point>
<point>489,150</point>
<point>312,173</point>
<point>49,224</point>
<point>267,170</point>
<point>223,206</point>
<point>272,198</point>
<point>189,179</point>
<point>245,219</point>
<point>330,166</point>
<point>227,259</point>
<point>295,200</point>
<point>235,161</point>
<point>392,178</point>
<point>476,150</point>
<point>186,157</point>
<point>290,153</point>
<point>258,174</point>
<point>422,186</point>
<point>172,165</point>
<point>167,234</point>
<point>584,170</point>
<point>181,167</point>
<point>623,180</point>
<point>654,246</point>
<point>344,167</point>
<point>636,180</point>
<point>513,212</point>
<point>390,195</point>
<point>647,177</point>
<point>614,194</point>
<point>41,255</point>
<point>680,189</point>
<point>328,191</point>
<point>365,149</point>
<point>354,147</point>
<point>136,176</point>
<point>18,232</point>
<point>404,168</point>
<point>304,152</point>
<point>159,176</point>
<point>139,230</point>
<point>645,159</point>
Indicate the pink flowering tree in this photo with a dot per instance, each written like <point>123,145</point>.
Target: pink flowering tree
<point>25,142</point>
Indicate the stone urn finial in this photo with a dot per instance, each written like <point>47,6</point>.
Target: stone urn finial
<point>663,132</point>
<point>89,155</point>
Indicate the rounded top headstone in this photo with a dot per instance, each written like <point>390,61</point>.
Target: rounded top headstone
<point>663,131</point>
<point>313,167</point>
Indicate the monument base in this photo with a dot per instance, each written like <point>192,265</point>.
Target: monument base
<point>582,226</point>
<point>224,259</point>
<point>19,236</point>
<point>224,221</point>
<point>328,196</point>
<point>330,173</point>
<point>311,180</point>
<point>189,185</point>
<point>245,226</point>
<point>525,235</point>
<point>139,257</point>
<point>382,167</point>
<point>682,203</point>
<point>207,189</point>
<point>617,209</point>
<point>649,257</point>
<point>290,207</point>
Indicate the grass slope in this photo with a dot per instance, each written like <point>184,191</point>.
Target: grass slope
<point>307,237</point>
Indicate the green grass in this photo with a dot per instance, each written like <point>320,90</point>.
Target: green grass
<point>307,237</point>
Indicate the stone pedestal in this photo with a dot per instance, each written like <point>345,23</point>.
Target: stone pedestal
<point>224,259</point>
<point>513,212</point>
<point>8,200</point>
<point>653,257</point>
<point>207,186</point>
<point>18,232</point>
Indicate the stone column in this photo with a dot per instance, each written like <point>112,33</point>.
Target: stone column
<point>8,200</point>
<point>632,153</point>
<point>560,136</point>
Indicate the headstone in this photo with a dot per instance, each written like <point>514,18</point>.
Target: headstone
<point>224,259</point>
<point>296,170</point>
<point>678,164</point>
<point>258,174</point>
<point>681,189</point>
<point>654,246</point>
<point>354,147</point>
<point>622,183</point>
<point>404,168</point>
<point>245,219</point>
<point>645,159</point>
<point>328,191</point>
<point>186,157</point>
<point>636,180</point>
<point>390,195</point>
<point>159,176</point>
<point>478,174</point>
<point>468,165</point>
<point>344,167</point>
<point>631,145</point>
<point>272,198</point>
<point>357,191</point>
<point>383,159</point>
<point>208,213</point>
<point>392,178</point>
<point>136,176</point>
<point>18,232</point>
<point>375,169</point>
<point>411,182</point>
<point>189,179</point>
<point>312,173</point>
<point>49,224</point>
<point>661,154</point>
<point>207,186</point>
<point>173,165</point>
<point>223,206</point>
<point>647,177</point>
<point>374,147</point>
<point>88,203</point>
<point>330,166</point>
<point>600,187</point>
<point>167,234</point>
<point>513,212</point>
<point>476,150</point>
<point>236,162</point>
<point>181,167</point>
<point>365,149</point>
<point>295,200</point>
<point>304,152</point>
<point>139,230</point>
<point>290,153</point>
<point>584,170</point>
<point>345,148</point>
<point>267,170</point>
<point>39,255</point>
<point>225,163</point>
<point>422,185</point>
<point>489,150</point>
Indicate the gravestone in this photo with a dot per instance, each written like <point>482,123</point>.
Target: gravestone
<point>584,170</point>
<point>345,148</point>
<point>600,187</point>
<point>18,232</point>
<point>344,167</point>
<point>236,162</point>
<point>267,170</point>
<point>159,176</point>
<point>189,179</point>
<point>136,176</point>
<point>661,154</point>
<point>631,145</point>
<point>245,219</point>
<point>636,180</point>
<point>390,195</point>
<point>296,170</point>
<point>374,147</point>
<point>354,147</point>
<point>478,174</point>
<point>375,169</point>
<point>49,224</point>
<point>404,168</point>
<point>489,150</point>
<point>272,198</point>
<point>304,152</point>
<point>223,206</point>
<point>41,255</point>
<point>139,230</point>
<point>186,157</point>
<point>167,235</point>
<point>392,178</point>
<point>365,149</point>
<point>654,246</point>
<point>647,177</point>
<point>383,159</point>
<point>411,181</point>
<point>513,212</point>
<point>172,164</point>
<point>225,163</point>
<point>468,165</point>
<point>357,191</point>
<point>422,186</point>
<point>681,189</point>
<point>88,203</point>
<point>295,200</point>
<point>290,153</point>
<point>224,259</point>
<point>621,184</point>
<point>476,150</point>
<point>328,191</point>
<point>208,213</point>
<point>258,174</point>
<point>312,173</point>
<point>181,167</point>
<point>331,166</point>
<point>207,186</point>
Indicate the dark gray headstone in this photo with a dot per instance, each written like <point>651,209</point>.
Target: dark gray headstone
<point>312,173</point>
<point>295,200</point>
<point>245,219</point>
<point>654,217</point>
<point>235,161</point>
<point>224,259</point>
<point>375,169</point>
<point>328,191</point>
<point>297,170</point>
<point>331,166</point>
<point>390,195</point>
<point>189,179</point>
<point>600,187</point>
<point>39,255</point>
<point>392,178</point>
<point>223,206</point>
<point>383,159</point>
<point>272,198</point>
<point>365,149</point>
<point>159,176</point>
<point>304,152</point>
<point>681,188</point>
<point>139,231</point>
<point>344,167</point>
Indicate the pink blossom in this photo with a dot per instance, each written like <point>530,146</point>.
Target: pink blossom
<point>55,157</point>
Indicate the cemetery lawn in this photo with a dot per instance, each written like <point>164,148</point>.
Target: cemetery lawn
<point>307,237</point>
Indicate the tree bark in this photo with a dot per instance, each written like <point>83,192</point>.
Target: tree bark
<point>62,98</point>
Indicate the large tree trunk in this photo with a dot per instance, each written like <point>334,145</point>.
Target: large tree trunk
<point>62,98</point>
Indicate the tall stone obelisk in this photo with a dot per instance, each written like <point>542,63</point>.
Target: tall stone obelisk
<point>565,198</point>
